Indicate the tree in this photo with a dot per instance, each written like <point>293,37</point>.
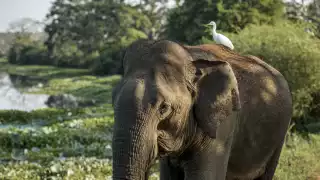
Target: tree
<point>305,13</point>
<point>155,11</point>
<point>185,22</point>
<point>83,23</point>
<point>25,25</point>
<point>26,46</point>
<point>314,15</point>
<point>82,32</point>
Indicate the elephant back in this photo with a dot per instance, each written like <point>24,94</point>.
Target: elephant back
<point>212,51</point>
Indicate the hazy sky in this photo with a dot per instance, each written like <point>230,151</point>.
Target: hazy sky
<point>11,10</point>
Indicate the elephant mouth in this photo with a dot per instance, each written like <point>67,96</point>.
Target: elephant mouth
<point>162,152</point>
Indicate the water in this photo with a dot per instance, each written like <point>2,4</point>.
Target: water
<point>12,99</point>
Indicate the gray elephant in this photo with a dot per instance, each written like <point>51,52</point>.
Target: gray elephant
<point>207,112</point>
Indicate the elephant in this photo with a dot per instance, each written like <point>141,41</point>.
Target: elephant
<point>205,112</point>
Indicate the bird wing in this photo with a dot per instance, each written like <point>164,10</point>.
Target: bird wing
<point>221,39</point>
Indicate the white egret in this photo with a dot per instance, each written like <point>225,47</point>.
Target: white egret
<point>219,38</point>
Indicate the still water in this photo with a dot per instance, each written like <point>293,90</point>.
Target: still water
<point>11,98</point>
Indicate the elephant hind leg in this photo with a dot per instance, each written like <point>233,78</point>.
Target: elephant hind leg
<point>271,165</point>
<point>168,171</point>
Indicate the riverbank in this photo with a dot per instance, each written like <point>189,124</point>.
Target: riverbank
<point>76,142</point>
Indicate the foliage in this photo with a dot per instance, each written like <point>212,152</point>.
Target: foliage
<point>293,52</point>
<point>34,74</point>
<point>93,33</point>
<point>310,14</point>
<point>6,40</point>
<point>76,143</point>
<point>26,44</point>
<point>314,16</point>
<point>73,168</point>
<point>299,158</point>
<point>24,25</point>
<point>21,117</point>
<point>3,60</point>
<point>25,50</point>
<point>155,11</point>
<point>185,22</point>
<point>59,143</point>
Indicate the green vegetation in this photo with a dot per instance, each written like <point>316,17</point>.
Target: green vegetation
<point>230,16</point>
<point>59,143</point>
<point>76,143</point>
<point>87,38</point>
<point>300,158</point>
<point>24,50</point>
<point>41,72</point>
<point>89,34</point>
<point>294,53</point>
<point>94,34</point>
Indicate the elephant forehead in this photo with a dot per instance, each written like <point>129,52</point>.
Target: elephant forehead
<point>171,89</point>
<point>172,51</point>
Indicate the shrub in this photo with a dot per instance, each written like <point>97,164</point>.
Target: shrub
<point>231,16</point>
<point>67,55</point>
<point>26,51</point>
<point>293,52</point>
<point>108,62</point>
<point>22,117</point>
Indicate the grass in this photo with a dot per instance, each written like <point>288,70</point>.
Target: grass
<point>45,72</point>
<point>300,158</point>
<point>76,143</point>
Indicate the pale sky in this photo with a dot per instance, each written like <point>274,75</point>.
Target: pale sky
<point>12,10</point>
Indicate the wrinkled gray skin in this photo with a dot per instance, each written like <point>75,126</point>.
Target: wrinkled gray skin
<point>207,112</point>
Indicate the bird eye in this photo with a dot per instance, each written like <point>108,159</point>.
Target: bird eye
<point>165,110</point>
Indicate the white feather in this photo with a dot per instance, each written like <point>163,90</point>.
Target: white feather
<point>219,38</point>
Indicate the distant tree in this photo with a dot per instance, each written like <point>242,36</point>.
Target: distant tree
<point>6,40</point>
<point>26,44</point>
<point>25,25</point>
<point>81,32</point>
<point>306,13</point>
<point>185,21</point>
<point>314,15</point>
<point>156,12</point>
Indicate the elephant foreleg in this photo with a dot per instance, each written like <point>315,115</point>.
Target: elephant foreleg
<point>211,162</point>
<point>272,165</point>
<point>206,166</point>
<point>168,171</point>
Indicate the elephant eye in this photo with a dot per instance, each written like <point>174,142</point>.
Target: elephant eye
<point>165,110</point>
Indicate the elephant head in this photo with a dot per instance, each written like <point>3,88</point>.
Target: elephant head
<point>165,96</point>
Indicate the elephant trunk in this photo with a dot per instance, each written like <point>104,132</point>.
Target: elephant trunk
<point>131,152</point>
<point>134,138</point>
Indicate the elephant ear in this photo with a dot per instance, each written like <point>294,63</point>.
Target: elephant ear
<point>216,94</point>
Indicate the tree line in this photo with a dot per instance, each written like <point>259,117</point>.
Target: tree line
<point>93,34</point>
